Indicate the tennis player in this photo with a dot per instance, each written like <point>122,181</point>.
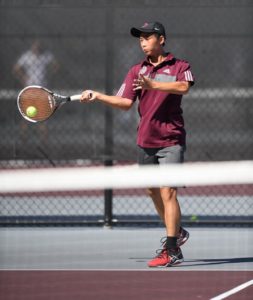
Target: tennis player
<point>159,82</point>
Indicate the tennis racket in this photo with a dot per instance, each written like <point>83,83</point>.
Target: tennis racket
<point>37,103</point>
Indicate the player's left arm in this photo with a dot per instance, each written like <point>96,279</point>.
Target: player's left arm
<point>184,80</point>
<point>177,87</point>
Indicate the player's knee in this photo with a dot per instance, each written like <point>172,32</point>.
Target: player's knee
<point>169,194</point>
<point>152,192</point>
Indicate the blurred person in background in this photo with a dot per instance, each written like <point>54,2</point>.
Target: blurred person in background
<point>159,83</point>
<point>33,67</point>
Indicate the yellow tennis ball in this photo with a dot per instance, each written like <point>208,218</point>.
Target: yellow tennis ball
<point>194,218</point>
<point>31,111</point>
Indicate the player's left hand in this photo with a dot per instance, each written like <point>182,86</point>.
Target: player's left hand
<point>142,83</point>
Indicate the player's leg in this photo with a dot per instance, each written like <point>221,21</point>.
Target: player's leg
<point>172,212</point>
<point>147,156</point>
<point>171,253</point>
<point>167,206</point>
<point>155,195</point>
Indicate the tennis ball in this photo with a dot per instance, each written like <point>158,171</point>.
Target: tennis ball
<point>31,111</point>
<point>194,218</point>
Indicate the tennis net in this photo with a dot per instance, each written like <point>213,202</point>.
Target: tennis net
<point>208,192</point>
<point>77,255</point>
<point>188,174</point>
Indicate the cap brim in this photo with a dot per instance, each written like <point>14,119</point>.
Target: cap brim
<point>136,32</point>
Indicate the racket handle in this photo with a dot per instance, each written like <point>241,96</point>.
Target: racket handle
<point>75,97</point>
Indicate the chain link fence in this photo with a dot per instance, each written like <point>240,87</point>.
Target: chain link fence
<point>87,44</point>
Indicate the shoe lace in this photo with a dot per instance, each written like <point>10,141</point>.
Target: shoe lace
<point>163,241</point>
<point>164,238</point>
<point>160,252</point>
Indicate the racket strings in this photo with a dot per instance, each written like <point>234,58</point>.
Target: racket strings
<point>41,99</point>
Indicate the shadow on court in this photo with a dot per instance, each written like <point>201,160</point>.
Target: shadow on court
<point>223,261</point>
<point>204,262</point>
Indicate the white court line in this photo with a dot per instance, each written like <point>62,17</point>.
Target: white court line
<point>144,269</point>
<point>233,291</point>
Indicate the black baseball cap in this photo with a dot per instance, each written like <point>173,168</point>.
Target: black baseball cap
<point>148,27</point>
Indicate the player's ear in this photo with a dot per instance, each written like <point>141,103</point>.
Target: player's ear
<point>162,40</point>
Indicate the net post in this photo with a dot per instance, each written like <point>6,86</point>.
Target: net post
<point>108,198</point>
<point>108,137</point>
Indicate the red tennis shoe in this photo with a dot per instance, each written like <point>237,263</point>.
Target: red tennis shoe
<point>167,258</point>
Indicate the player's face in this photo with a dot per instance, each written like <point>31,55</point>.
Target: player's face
<point>151,44</point>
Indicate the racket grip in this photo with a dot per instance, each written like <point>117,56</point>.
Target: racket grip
<point>75,97</point>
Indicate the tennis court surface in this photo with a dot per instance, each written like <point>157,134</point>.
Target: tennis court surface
<point>98,263</point>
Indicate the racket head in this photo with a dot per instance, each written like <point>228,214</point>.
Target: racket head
<point>40,98</point>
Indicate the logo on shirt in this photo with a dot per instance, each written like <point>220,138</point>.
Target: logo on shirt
<point>167,71</point>
<point>143,70</point>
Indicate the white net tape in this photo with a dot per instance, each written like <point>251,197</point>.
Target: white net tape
<point>117,177</point>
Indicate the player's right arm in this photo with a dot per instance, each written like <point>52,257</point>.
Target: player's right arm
<point>125,96</point>
<point>113,101</point>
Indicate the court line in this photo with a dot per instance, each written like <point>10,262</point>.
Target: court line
<point>145,269</point>
<point>233,291</point>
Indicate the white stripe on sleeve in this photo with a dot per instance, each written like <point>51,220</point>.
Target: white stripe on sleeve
<point>188,76</point>
<point>121,90</point>
<point>191,77</point>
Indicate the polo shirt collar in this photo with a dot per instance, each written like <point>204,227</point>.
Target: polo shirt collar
<point>169,57</point>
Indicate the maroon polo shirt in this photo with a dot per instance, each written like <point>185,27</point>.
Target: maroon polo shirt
<point>161,116</point>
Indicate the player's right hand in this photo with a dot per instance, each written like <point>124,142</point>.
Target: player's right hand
<point>88,95</point>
